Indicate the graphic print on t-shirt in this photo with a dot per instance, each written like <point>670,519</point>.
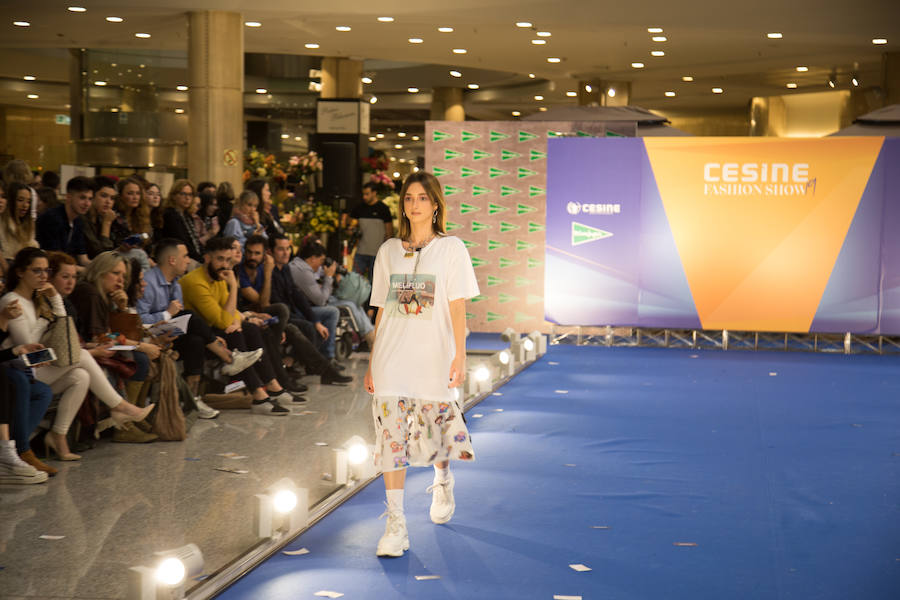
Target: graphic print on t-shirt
<point>411,296</point>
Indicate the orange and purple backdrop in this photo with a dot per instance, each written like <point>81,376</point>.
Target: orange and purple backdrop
<point>724,233</point>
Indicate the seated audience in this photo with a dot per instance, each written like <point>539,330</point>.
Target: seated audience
<point>46,199</point>
<point>16,222</point>
<point>205,220</point>
<point>268,213</point>
<point>62,228</point>
<point>244,220</point>
<point>225,200</point>
<point>154,202</point>
<point>133,220</point>
<point>101,219</point>
<point>178,223</point>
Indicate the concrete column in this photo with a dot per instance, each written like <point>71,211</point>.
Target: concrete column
<point>447,104</point>
<point>890,77</point>
<point>341,78</point>
<point>215,102</point>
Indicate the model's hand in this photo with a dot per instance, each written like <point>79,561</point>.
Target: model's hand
<point>368,382</point>
<point>323,331</point>
<point>457,371</point>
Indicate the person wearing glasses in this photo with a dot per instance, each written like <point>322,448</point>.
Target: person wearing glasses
<point>178,218</point>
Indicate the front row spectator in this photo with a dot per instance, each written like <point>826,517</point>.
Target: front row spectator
<point>62,227</point>
<point>40,303</point>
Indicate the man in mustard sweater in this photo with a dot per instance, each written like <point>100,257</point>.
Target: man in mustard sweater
<point>211,292</point>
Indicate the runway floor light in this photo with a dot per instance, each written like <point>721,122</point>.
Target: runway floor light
<point>540,342</point>
<point>505,363</point>
<point>509,335</point>
<point>282,509</point>
<point>353,461</point>
<point>167,579</point>
<point>478,379</point>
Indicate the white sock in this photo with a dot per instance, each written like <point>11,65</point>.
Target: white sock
<point>395,500</point>
<point>441,475</point>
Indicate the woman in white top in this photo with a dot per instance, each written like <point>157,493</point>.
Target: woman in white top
<point>29,281</point>
<point>420,286</point>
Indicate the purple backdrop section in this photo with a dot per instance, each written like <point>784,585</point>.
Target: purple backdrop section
<point>889,318</point>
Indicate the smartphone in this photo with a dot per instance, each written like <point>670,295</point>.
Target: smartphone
<point>39,356</point>
<point>135,240</point>
<point>270,321</point>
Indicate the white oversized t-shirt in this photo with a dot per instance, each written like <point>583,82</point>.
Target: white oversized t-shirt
<point>414,345</point>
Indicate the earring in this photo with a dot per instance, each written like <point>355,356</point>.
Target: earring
<point>434,217</point>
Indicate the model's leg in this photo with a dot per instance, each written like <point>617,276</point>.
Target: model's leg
<point>443,504</point>
<point>391,456</point>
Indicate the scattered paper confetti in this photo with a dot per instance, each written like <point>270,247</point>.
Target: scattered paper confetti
<point>52,537</point>
<point>321,444</point>
<point>693,356</point>
<point>497,394</point>
<point>232,470</point>
<point>479,415</point>
<point>498,410</point>
<point>856,425</point>
<point>296,552</point>
<point>427,577</point>
<point>570,464</point>
<point>560,391</point>
<point>235,386</point>
<point>773,374</point>
<point>600,527</point>
<point>685,544</point>
<point>552,362</point>
<point>231,455</point>
<point>328,594</point>
<point>561,597</point>
<point>580,567</point>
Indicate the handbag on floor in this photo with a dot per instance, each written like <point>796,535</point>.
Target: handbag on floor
<point>169,422</point>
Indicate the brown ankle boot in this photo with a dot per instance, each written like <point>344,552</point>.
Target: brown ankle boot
<point>29,457</point>
<point>129,434</point>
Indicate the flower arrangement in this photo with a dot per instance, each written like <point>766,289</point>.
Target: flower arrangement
<point>376,162</point>
<point>260,164</point>
<point>311,217</point>
<point>307,164</point>
<point>392,201</point>
<point>384,185</point>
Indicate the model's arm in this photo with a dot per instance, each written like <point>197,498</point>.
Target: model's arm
<point>458,320</point>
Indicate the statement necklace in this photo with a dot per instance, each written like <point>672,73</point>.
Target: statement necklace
<point>412,249</point>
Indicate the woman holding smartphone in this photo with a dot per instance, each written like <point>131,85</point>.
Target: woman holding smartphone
<point>421,282</point>
<point>40,303</point>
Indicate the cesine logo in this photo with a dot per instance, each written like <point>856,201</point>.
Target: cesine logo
<point>573,207</point>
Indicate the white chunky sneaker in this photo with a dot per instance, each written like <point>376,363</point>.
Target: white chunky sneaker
<point>442,502</point>
<point>395,540</point>
<point>204,410</point>
<point>11,463</point>
<point>241,361</point>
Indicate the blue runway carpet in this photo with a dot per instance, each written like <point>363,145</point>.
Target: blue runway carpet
<point>671,474</point>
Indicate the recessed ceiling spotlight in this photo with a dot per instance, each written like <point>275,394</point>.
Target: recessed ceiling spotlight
<point>611,92</point>
<point>372,138</point>
<point>33,96</point>
<point>670,94</point>
<point>366,80</point>
<point>100,83</point>
<point>115,19</point>
<point>459,51</point>
<point>412,90</point>
<point>538,42</point>
<point>143,36</point>
<point>342,28</point>
<point>538,97</point>
<point>415,138</point>
<point>542,108</point>
<point>181,88</point>
<point>285,136</point>
<point>802,69</point>
<point>554,59</point>
<point>531,76</point>
<point>29,78</point>
<point>659,38</point>
<point>445,29</point>
<point>379,135</point>
<point>854,80</point>
<point>385,19</point>
<point>401,134</point>
<point>544,34</point>
<point>311,45</point>
<point>654,30</point>
<point>637,65</point>
<point>571,93</point>
<point>516,113</point>
<point>717,90</point>
<point>252,23</point>
<point>523,24</point>
<point>879,41</point>
<point>373,99</point>
<point>473,86</point>
<point>21,23</point>
<point>791,85</point>
<point>455,74</point>
<point>415,40</point>
<point>657,53</point>
<point>398,146</point>
<point>262,91</point>
<point>688,78</point>
<point>78,9</point>
<point>179,111</point>
<point>297,138</point>
<point>775,35</point>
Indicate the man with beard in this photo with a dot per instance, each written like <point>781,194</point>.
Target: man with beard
<point>211,292</point>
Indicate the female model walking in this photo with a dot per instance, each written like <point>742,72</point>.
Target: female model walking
<point>421,282</point>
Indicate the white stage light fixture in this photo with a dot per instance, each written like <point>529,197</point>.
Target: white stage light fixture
<point>167,579</point>
<point>478,379</point>
<point>509,335</point>
<point>528,344</point>
<point>505,363</point>
<point>282,509</point>
<point>540,342</point>
<point>353,461</point>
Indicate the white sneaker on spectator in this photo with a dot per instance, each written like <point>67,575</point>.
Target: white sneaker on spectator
<point>205,411</point>
<point>14,470</point>
<point>443,504</point>
<point>269,407</point>
<point>395,540</point>
<point>241,361</point>
<point>282,396</point>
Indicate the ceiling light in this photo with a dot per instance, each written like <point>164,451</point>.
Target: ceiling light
<point>401,134</point>
<point>33,96</point>
<point>516,113</point>
<point>473,86</point>
<point>832,80</point>
<point>637,65</point>
<point>366,80</point>
<point>385,19</point>
<point>687,78</point>
<point>654,30</point>
<point>531,76</point>
<point>588,88</point>
<point>373,99</point>
<point>415,40</point>
<point>252,23</point>
<point>393,158</point>
<point>670,94</point>
<point>571,94</point>
<point>538,42</point>
<point>100,83</point>
<point>415,138</point>
<point>544,34</point>
<point>398,146</point>
<point>455,74</point>
<point>657,53</point>
<point>792,85</point>
<point>445,29</point>
<point>774,35</point>
<point>285,136</point>
<point>538,98</point>
<point>29,78</point>
<point>717,90</point>
<point>412,90</point>
<point>78,9</point>
<point>261,91</point>
<point>379,135</point>
<point>523,24</point>
<point>611,92</point>
<point>179,111</point>
<point>554,59</point>
<point>21,23</point>
<point>297,138</point>
<point>372,138</point>
<point>854,80</point>
<point>181,88</point>
<point>659,38</point>
<point>802,69</point>
<point>342,28</point>
<point>542,108</point>
<point>459,51</point>
<point>879,41</point>
<point>311,45</point>
<point>143,36</point>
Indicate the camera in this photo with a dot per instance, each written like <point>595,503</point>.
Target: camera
<point>341,270</point>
